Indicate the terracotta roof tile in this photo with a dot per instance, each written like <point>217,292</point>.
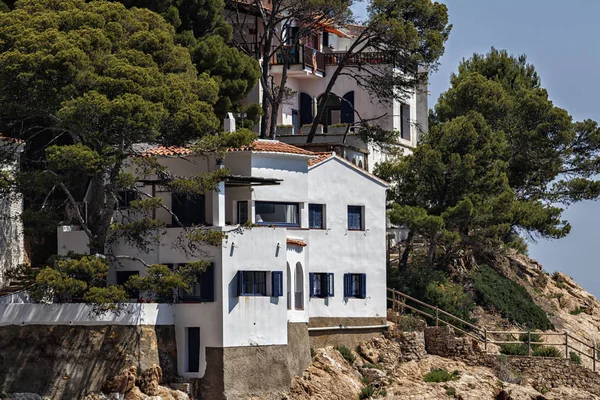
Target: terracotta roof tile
<point>274,146</point>
<point>10,139</point>
<point>296,242</point>
<point>167,151</point>
<point>261,146</point>
<point>321,157</point>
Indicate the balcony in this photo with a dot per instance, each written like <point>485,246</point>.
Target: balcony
<point>371,57</point>
<point>303,60</point>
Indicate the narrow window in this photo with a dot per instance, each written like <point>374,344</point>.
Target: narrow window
<point>355,218</point>
<point>193,353</point>
<point>277,283</point>
<point>242,212</point>
<point>355,286</point>
<point>405,121</point>
<point>315,216</point>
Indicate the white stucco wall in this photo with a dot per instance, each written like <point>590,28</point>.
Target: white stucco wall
<point>339,251</point>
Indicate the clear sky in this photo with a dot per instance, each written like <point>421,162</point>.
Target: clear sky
<point>561,39</point>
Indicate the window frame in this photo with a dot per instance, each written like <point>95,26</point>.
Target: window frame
<point>240,204</point>
<point>125,197</point>
<point>207,287</point>
<point>355,292</point>
<point>284,203</point>
<point>186,217</point>
<point>361,210</point>
<point>326,285</point>
<point>242,282</point>
<point>323,224</point>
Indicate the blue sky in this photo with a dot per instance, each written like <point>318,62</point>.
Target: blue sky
<point>560,38</point>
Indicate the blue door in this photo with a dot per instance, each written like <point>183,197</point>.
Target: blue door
<point>296,121</point>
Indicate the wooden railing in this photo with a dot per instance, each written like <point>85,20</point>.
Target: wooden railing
<point>401,302</point>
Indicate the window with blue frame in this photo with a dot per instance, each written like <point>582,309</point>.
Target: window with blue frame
<point>276,213</point>
<point>254,283</point>
<point>355,286</point>
<point>355,218</point>
<point>316,216</point>
<point>201,291</point>
<point>321,285</point>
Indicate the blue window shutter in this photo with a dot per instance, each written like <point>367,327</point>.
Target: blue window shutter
<point>347,285</point>
<point>363,286</point>
<point>330,285</point>
<point>207,284</point>
<point>240,276</point>
<point>277,278</point>
<point>311,280</point>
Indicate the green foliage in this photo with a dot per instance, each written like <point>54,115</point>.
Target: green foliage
<point>106,298</point>
<point>577,311</point>
<point>371,365</point>
<point>495,292</point>
<point>451,298</point>
<point>451,391</point>
<point>441,375</point>
<point>575,357</point>
<point>366,392</point>
<point>545,351</point>
<point>514,349</point>
<point>160,283</point>
<point>346,353</point>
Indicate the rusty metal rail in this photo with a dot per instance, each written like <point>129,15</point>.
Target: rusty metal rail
<point>400,303</point>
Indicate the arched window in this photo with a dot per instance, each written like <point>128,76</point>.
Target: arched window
<point>360,163</point>
<point>354,160</point>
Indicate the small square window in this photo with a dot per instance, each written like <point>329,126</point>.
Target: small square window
<point>321,285</point>
<point>252,283</point>
<point>316,216</point>
<point>355,218</point>
<point>125,197</point>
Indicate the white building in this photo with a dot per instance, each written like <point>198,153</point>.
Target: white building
<point>312,65</point>
<point>315,259</point>
<point>12,242</point>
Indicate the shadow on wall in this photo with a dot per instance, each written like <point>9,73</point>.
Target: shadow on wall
<point>64,362</point>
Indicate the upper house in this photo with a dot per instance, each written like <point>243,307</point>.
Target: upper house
<point>313,263</point>
<point>312,64</point>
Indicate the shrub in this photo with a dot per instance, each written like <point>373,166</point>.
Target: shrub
<point>450,391</point>
<point>576,358</point>
<point>338,125</point>
<point>285,126</point>
<point>346,353</point>
<point>497,292</point>
<point>449,297</point>
<point>366,392</point>
<point>441,375</point>
<point>534,337</point>
<point>513,349</point>
<point>577,311</point>
<point>547,352</point>
<point>313,353</point>
<point>373,366</point>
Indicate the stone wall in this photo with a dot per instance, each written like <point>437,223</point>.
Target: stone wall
<point>348,336</point>
<point>66,362</point>
<point>265,371</point>
<point>543,372</point>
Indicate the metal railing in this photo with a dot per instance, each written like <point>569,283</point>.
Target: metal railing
<point>400,303</point>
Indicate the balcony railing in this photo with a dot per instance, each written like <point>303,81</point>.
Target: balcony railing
<point>303,55</point>
<point>371,57</point>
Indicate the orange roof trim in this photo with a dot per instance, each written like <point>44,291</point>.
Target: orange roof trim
<point>170,151</point>
<point>11,139</point>
<point>296,242</point>
<point>320,158</point>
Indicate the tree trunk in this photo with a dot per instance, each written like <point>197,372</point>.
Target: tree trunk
<point>404,259</point>
<point>100,211</point>
<point>431,253</point>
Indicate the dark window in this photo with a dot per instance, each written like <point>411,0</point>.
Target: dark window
<point>325,39</point>
<point>125,198</point>
<point>321,285</point>
<point>277,284</point>
<point>355,220</point>
<point>405,121</point>
<point>315,216</point>
<point>203,290</point>
<point>355,285</point>
<point>189,209</point>
<point>271,213</point>
<point>193,339</point>
<point>306,109</point>
<point>348,108</point>
<point>252,283</point>
<point>242,210</point>
<point>123,277</point>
